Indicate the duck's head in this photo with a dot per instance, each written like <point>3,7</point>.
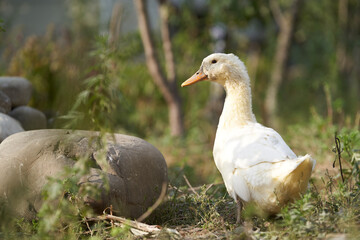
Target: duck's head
<point>220,68</point>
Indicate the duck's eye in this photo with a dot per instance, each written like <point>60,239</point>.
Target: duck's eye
<point>214,61</point>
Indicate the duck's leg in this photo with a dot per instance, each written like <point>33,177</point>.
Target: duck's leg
<point>239,206</point>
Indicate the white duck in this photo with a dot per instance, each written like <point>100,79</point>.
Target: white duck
<point>254,161</point>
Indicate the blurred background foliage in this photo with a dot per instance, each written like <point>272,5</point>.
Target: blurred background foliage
<point>318,95</point>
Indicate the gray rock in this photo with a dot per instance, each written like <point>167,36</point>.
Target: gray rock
<point>5,103</point>
<point>18,89</point>
<point>29,118</point>
<point>8,126</point>
<point>136,170</point>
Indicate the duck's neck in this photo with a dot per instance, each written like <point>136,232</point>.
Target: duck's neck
<point>237,109</point>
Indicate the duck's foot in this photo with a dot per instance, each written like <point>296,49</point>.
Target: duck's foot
<point>239,206</point>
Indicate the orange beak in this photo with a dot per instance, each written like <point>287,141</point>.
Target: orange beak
<point>197,77</point>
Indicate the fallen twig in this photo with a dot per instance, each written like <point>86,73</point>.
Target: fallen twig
<point>136,228</point>
<point>90,231</point>
<point>155,205</point>
<point>96,230</point>
<point>188,183</point>
<point>134,224</point>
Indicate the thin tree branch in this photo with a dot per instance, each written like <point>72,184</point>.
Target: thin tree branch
<point>134,224</point>
<point>191,187</point>
<point>115,23</point>
<point>150,54</point>
<point>341,55</point>
<point>277,13</point>
<point>168,88</point>
<point>88,226</point>
<point>155,205</point>
<point>284,41</point>
<point>167,45</point>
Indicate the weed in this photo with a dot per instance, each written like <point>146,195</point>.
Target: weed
<point>95,105</point>
<point>335,209</point>
<point>64,210</point>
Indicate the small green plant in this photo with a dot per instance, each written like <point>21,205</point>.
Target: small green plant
<point>96,105</point>
<point>64,207</point>
<point>333,209</point>
<point>64,211</point>
<point>350,146</point>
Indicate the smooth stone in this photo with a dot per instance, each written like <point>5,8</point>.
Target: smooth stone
<point>29,118</point>
<point>5,103</point>
<point>136,170</point>
<point>8,126</point>
<point>18,89</point>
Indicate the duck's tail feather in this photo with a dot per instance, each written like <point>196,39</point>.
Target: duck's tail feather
<point>296,181</point>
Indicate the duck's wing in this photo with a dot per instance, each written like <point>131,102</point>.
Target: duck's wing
<point>269,183</point>
<point>260,181</point>
<point>251,157</point>
<point>254,144</point>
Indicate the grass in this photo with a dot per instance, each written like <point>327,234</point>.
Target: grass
<point>329,208</point>
<point>200,208</point>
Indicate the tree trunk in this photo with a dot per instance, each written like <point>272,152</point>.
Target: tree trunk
<point>167,45</point>
<point>115,23</point>
<point>355,25</point>
<point>216,99</point>
<point>176,118</point>
<point>347,54</point>
<point>286,24</point>
<point>342,36</point>
<point>167,86</point>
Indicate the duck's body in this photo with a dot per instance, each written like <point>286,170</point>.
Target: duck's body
<point>254,161</point>
<point>258,166</point>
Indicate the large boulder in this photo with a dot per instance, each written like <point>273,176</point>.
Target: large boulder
<point>8,126</point>
<point>5,103</point>
<point>30,118</point>
<point>136,170</point>
<point>18,89</point>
